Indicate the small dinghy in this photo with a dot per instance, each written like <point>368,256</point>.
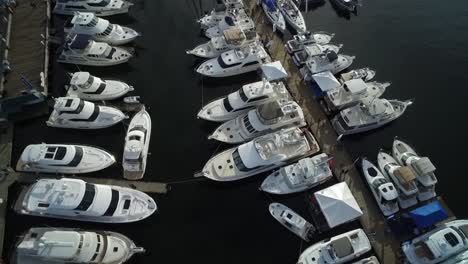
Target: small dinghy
<point>63,159</point>
<point>87,87</point>
<point>274,15</point>
<point>71,245</point>
<point>292,221</point>
<point>303,175</point>
<point>132,99</point>
<point>99,7</point>
<point>299,41</point>
<point>76,113</point>
<point>136,146</point>
<point>75,199</point>
<point>292,15</point>
<point>365,73</point>
<point>301,57</point>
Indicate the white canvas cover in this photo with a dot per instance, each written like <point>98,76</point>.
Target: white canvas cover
<point>326,81</point>
<point>338,204</point>
<point>274,71</point>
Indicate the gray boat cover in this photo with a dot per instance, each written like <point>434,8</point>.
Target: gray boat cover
<point>424,166</point>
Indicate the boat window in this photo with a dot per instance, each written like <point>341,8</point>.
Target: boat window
<point>93,22</point>
<point>113,203</point>
<point>77,110</point>
<point>223,65</point>
<point>88,198</point>
<point>126,204</point>
<point>258,98</point>
<point>250,63</point>
<point>111,53</point>
<point>49,156</point>
<point>102,3</point>
<point>372,171</point>
<point>451,239</point>
<point>77,158</point>
<point>242,95</point>
<point>74,7</point>
<point>227,105</point>
<point>88,82</point>
<point>60,153</point>
<point>43,205</point>
<point>345,87</point>
<point>239,163</point>
<point>91,118</point>
<point>134,138</point>
<point>108,30</point>
<point>248,125</point>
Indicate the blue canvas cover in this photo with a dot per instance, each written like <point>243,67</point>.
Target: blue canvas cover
<point>428,215</point>
<point>271,4</point>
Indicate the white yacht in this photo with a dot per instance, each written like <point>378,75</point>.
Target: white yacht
<point>353,92</point>
<point>303,175</point>
<point>70,112</point>
<point>422,167</point>
<point>438,245</point>
<point>382,188</point>
<point>81,50</point>
<point>235,62</point>
<point>99,7</point>
<point>301,57</point>
<point>329,61</point>
<point>136,145</point>
<point>402,177</point>
<point>299,41</point>
<point>100,29</point>
<point>71,245</point>
<point>367,115</point>
<point>365,73</point>
<point>240,20</point>
<point>264,119</point>
<point>75,199</point>
<point>261,154</point>
<point>292,15</point>
<point>232,38</point>
<point>369,260</point>
<point>243,100</point>
<point>61,158</point>
<point>274,14</point>
<point>218,14</point>
<point>88,87</point>
<point>338,249</point>
<point>292,221</point>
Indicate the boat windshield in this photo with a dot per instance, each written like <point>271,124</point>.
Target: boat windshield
<point>88,83</point>
<point>227,104</point>
<point>108,30</point>
<point>88,198</point>
<point>242,95</point>
<point>109,52</point>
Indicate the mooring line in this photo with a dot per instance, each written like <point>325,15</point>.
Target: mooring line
<point>186,181</point>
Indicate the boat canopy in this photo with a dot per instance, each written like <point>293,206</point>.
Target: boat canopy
<point>326,81</point>
<point>274,71</point>
<point>271,4</point>
<point>428,215</point>
<point>405,174</point>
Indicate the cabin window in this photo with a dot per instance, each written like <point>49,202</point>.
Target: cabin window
<point>77,110</point>
<point>88,82</point>
<point>258,98</point>
<point>227,105</point>
<point>111,53</point>
<point>248,125</point>
<point>60,153</point>
<point>116,249</point>
<point>49,155</point>
<point>107,31</point>
<point>43,205</point>
<point>250,63</point>
<point>74,7</point>
<point>115,196</point>
<point>134,138</point>
<point>239,163</point>
<point>88,198</point>
<point>451,239</point>
<point>242,95</point>
<point>223,65</point>
<point>126,204</point>
<point>102,3</point>
<point>77,158</point>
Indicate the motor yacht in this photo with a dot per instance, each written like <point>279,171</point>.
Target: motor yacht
<point>302,39</point>
<point>219,13</point>
<point>88,87</point>
<point>301,57</point>
<point>292,15</point>
<point>330,61</point>
<point>366,74</point>
<point>98,7</point>
<point>292,221</point>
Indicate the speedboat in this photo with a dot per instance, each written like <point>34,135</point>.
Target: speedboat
<point>274,15</point>
<point>98,7</point>
<point>72,245</point>
<point>369,260</point>
<point>70,112</point>
<point>243,100</point>
<point>353,92</point>
<point>382,188</point>
<point>302,39</point>
<point>235,62</point>
<point>292,221</point>
<point>439,245</point>
<point>365,73</point>
<point>339,249</point>
<point>88,87</point>
<point>292,15</point>
<point>100,29</point>
<point>403,178</point>
<point>219,13</point>
<point>303,175</point>
<point>264,119</point>
<point>370,113</point>
<point>347,5</point>
<point>75,199</point>
<point>81,50</point>
<point>240,20</point>
<point>136,146</point>
<point>61,158</point>
<point>300,58</point>
<point>422,167</point>
<point>329,61</point>
<point>261,154</point>
<point>233,38</point>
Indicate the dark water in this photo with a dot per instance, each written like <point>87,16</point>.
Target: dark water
<point>420,46</point>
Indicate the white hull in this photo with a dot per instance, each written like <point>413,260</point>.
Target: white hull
<point>230,72</point>
<point>293,16</point>
<point>107,117</point>
<point>114,90</point>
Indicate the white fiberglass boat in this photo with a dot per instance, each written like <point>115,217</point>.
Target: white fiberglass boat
<point>292,15</point>
<point>403,178</point>
<point>75,199</point>
<point>365,73</point>
<point>100,29</point>
<point>136,145</point>
<point>219,13</point>
<point>99,7</point>
<point>300,176</point>
<point>264,119</point>
<point>347,5</point>
<point>243,100</point>
<point>88,87</point>
<point>81,50</point>
<point>60,158</point>
<point>353,92</point>
<point>338,249</point>
<point>70,112</point>
<point>439,245</point>
<point>292,221</point>
<point>329,61</point>
<point>422,167</point>
<point>233,38</point>
<point>70,245</point>
<point>240,20</point>
<point>235,62</point>
<point>367,115</point>
<point>300,58</point>
<point>274,15</point>
<point>382,188</point>
<point>301,40</point>
<point>261,154</point>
